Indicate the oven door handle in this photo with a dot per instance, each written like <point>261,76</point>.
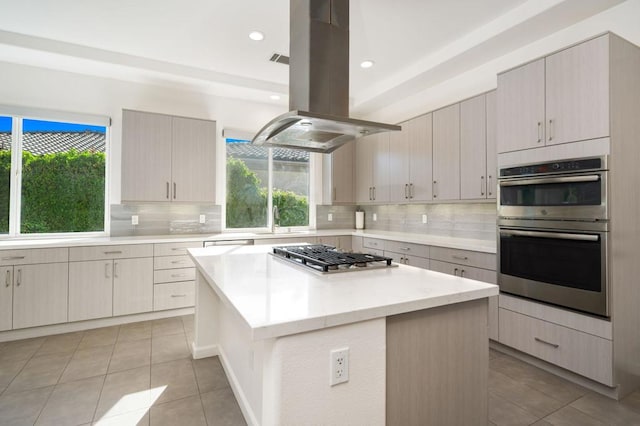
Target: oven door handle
<point>555,235</point>
<point>567,179</point>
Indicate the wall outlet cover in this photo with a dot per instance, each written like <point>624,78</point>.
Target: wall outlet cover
<point>134,219</point>
<point>330,217</point>
<point>339,361</point>
<point>424,218</point>
<point>203,218</point>
<point>375,217</point>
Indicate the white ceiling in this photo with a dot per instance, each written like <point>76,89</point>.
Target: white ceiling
<point>204,44</point>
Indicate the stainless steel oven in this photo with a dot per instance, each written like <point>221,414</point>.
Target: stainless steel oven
<point>553,234</point>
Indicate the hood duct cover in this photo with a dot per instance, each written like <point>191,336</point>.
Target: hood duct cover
<point>318,119</point>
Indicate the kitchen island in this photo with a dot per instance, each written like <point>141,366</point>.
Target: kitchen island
<point>417,340</point>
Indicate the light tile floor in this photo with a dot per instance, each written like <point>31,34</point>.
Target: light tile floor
<point>142,373</point>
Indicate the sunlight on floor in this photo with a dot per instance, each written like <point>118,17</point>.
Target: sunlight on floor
<point>133,406</point>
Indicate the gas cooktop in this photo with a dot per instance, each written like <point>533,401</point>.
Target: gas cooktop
<point>327,259</point>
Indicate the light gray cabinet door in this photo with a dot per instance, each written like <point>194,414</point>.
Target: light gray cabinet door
<point>132,286</point>
<point>193,164</point>
<point>90,290</point>
<point>577,92</point>
<point>473,148</point>
<point>6,297</point>
<point>420,131</point>
<point>364,168</point>
<point>381,168</point>
<point>492,155</point>
<point>446,153</point>
<point>40,294</point>
<point>399,164</point>
<point>146,156</point>
<point>343,173</point>
<point>520,106</point>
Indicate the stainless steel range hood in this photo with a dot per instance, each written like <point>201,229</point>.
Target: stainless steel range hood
<point>318,119</point>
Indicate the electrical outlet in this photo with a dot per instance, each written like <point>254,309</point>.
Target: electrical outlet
<point>203,218</point>
<point>339,366</point>
<point>330,217</point>
<point>375,217</point>
<point>134,219</point>
<point>424,218</point>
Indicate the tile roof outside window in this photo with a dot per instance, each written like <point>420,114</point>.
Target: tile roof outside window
<point>246,150</point>
<point>48,142</point>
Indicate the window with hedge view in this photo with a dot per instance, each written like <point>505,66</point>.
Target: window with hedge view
<point>61,187</point>
<point>249,188</point>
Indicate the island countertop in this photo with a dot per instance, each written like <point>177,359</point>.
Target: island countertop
<point>276,298</point>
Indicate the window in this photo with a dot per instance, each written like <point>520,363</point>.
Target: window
<point>259,178</point>
<point>59,184</point>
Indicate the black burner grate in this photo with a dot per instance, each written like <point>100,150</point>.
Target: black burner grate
<point>326,258</point>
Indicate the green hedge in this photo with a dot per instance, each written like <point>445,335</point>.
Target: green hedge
<point>61,192</point>
<point>247,200</point>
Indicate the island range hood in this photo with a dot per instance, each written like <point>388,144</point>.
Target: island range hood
<point>318,119</point>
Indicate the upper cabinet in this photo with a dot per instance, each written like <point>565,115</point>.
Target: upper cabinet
<point>561,98</point>
<point>167,158</point>
<point>410,165</point>
<point>446,153</point>
<point>478,147</point>
<point>372,168</point>
<point>342,174</point>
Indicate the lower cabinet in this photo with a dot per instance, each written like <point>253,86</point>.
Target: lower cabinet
<point>40,294</point>
<point>132,286</point>
<point>90,290</point>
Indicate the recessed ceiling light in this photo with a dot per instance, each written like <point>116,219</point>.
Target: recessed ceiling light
<point>275,97</point>
<point>366,64</point>
<point>256,36</point>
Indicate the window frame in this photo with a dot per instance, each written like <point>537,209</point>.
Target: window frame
<point>267,229</point>
<point>18,115</point>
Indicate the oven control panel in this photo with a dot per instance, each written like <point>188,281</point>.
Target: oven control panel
<point>567,166</point>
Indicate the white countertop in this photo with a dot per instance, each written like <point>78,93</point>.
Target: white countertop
<point>488,246</point>
<point>275,298</point>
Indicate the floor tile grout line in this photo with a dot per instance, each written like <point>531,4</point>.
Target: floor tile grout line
<point>567,405</point>
<point>104,381</point>
<point>23,367</point>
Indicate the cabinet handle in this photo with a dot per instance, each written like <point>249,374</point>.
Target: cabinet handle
<point>455,272</point>
<point>334,193</point>
<point>550,128</point>
<point>537,339</point>
<point>7,280</point>
<point>178,275</point>
<point>369,193</point>
<point>489,185</point>
<point>435,182</point>
<point>460,257</point>
<point>113,252</point>
<point>462,272</point>
<point>481,185</point>
<point>539,131</point>
<point>106,270</point>
<point>174,190</point>
<point>406,190</point>
<point>405,248</point>
<point>178,295</point>
<point>19,279</point>
<point>115,270</point>
<point>167,190</point>
<point>374,193</point>
<point>13,258</point>
<point>406,260</point>
<point>177,262</point>
<point>410,190</point>
<point>182,249</point>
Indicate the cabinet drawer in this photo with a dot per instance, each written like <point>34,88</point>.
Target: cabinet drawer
<point>32,256</point>
<point>582,353</point>
<point>173,275</point>
<point>172,262</point>
<point>464,257</point>
<point>407,248</point>
<point>373,243</point>
<point>110,252</point>
<point>470,272</point>
<point>173,295</point>
<point>174,249</point>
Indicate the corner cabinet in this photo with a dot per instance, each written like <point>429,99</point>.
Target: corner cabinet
<point>166,158</point>
<point>561,98</point>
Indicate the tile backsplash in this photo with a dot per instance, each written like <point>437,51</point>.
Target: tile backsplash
<point>465,220</point>
<point>165,219</point>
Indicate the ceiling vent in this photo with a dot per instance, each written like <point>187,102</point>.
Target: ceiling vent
<point>279,58</point>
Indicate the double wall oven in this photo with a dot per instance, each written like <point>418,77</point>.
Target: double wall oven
<point>553,234</point>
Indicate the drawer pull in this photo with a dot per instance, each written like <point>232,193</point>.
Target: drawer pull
<point>178,248</point>
<point>178,261</point>
<point>13,258</point>
<point>178,295</point>
<point>405,248</point>
<point>460,257</point>
<point>113,252</point>
<point>178,275</point>
<point>537,339</point>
